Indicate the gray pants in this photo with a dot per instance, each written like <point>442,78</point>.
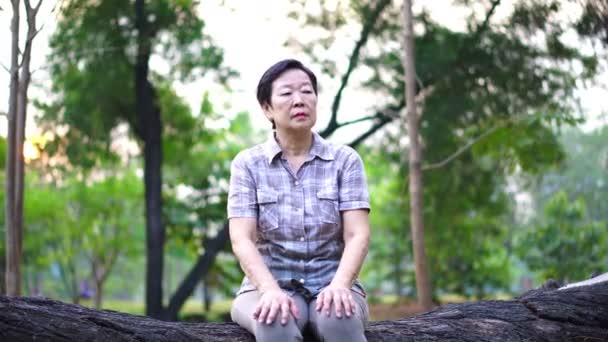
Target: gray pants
<point>329,329</point>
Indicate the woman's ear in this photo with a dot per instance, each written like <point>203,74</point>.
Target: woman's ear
<point>267,111</point>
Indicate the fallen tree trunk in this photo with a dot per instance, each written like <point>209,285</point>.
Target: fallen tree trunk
<point>573,313</point>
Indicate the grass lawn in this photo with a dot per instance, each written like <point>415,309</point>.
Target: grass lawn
<point>386,308</point>
<point>191,308</point>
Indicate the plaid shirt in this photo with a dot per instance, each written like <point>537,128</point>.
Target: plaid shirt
<point>299,227</point>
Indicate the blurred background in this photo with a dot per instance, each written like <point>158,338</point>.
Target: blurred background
<point>143,104</point>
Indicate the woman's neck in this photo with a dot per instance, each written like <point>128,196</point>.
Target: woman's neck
<point>294,144</point>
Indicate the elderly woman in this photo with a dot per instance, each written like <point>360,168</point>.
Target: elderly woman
<point>298,209</point>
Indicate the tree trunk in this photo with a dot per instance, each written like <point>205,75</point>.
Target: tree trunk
<point>548,314</point>
<point>150,123</point>
<point>2,273</point>
<point>15,166</point>
<point>423,284</point>
<point>149,117</point>
<point>13,271</point>
<point>98,275</point>
<point>22,101</point>
<point>70,276</point>
<point>98,296</point>
<point>206,296</point>
<point>397,264</point>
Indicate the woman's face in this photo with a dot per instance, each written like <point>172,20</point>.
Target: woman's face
<point>293,103</point>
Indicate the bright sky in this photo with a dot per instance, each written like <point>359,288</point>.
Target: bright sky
<point>253,40</point>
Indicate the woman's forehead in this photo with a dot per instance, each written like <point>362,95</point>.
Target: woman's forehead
<point>292,78</point>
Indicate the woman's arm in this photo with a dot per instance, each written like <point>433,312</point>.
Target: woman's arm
<point>242,237</point>
<point>356,243</point>
<point>273,300</point>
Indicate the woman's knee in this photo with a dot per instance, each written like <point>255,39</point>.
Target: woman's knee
<point>333,328</point>
<point>277,332</point>
<point>339,325</point>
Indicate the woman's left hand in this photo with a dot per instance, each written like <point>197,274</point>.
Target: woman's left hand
<point>342,298</point>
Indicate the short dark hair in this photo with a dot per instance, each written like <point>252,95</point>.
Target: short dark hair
<point>265,85</point>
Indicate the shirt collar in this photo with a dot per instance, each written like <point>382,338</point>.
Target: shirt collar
<point>320,148</point>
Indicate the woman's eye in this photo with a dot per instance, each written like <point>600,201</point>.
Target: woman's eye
<point>285,94</point>
<point>307,91</point>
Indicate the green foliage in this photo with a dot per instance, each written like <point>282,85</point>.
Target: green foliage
<point>92,69</point>
<point>196,189</point>
<point>197,171</point>
<point>593,21</point>
<point>92,60</point>
<point>583,174</point>
<point>480,266</point>
<point>490,81</point>
<point>70,227</point>
<point>502,86</point>
<point>566,245</point>
<point>390,253</point>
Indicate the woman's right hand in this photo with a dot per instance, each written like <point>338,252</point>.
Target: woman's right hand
<point>272,303</point>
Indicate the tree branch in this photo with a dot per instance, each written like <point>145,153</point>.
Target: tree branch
<point>460,151</point>
<point>212,248</point>
<point>333,125</point>
<point>365,118</point>
<point>31,14</point>
<point>486,21</point>
<point>367,28</point>
<point>470,144</point>
<point>384,119</point>
<point>38,6</point>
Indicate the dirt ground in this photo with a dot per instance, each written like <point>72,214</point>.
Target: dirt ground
<point>381,312</point>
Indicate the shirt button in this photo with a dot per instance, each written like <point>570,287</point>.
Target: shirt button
<point>296,183</point>
<point>302,239</point>
<point>302,280</point>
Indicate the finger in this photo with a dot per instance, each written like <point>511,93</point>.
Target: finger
<point>319,305</point>
<point>294,309</point>
<point>284,312</point>
<point>258,309</point>
<point>327,302</point>
<point>274,309</point>
<point>263,312</point>
<point>338,305</point>
<point>346,302</point>
<point>353,304</point>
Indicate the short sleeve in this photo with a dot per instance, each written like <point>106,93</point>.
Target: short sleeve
<point>353,183</point>
<point>242,199</point>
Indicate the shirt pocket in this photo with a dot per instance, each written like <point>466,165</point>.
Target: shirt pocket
<point>328,205</point>
<point>268,218</point>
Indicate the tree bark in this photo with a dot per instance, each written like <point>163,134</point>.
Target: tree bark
<point>423,284</point>
<point>15,165</point>
<point>99,274</point>
<point>2,273</point>
<point>13,271</point>
<point>366,30</point>
<point>150,123</point>
<point>20,122</point>
<point>547,314</point>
